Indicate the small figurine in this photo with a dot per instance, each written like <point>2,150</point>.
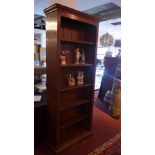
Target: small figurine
<point>77,56</point>
<point>83,58</point>
<point>80,77</point>
<point>71,80</point>
<point>63,58</point>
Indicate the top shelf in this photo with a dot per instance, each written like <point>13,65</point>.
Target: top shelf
<point>77,42</point>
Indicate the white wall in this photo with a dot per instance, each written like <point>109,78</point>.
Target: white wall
<point>69,3</point>
<point>40,5</point>
<point>43,36</point>
<point>114,30</point>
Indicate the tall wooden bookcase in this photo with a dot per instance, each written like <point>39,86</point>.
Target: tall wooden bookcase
<point>69,108</point>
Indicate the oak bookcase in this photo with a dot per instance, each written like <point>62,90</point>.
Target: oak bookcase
<point>69,108</point>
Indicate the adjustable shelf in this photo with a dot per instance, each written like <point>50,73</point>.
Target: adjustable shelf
<point>72,120</point>
<point>77,42</point>
<point>76,103</point>
<point>75,87</point>
<point>73,136</point>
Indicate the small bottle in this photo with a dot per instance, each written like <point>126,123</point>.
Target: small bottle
<point>83,58</point>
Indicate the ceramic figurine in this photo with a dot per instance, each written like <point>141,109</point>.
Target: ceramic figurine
<point>80,78</point>
<point>71,80</point>
<point>63,58</point>
<point>77,56</point>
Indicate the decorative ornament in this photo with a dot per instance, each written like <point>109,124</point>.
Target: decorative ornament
<point>71,80</point>
<point>80,77</point>
<point>63,57</point>
<point>106,40</point>
<point>77,56</point>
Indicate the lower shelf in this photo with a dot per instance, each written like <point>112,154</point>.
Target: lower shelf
<point>73,136</point>
<point>66,106</point>
<point>72,120</point>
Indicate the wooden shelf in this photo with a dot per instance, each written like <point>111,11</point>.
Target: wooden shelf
<point>77,65</point>
<point>39,70</point>
<point>77,42</point>
<point>76,135</point>
<point>73,119</point>
<point>75,87</point>
<point>76,103</point>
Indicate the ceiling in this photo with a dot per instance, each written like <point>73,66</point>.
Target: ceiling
<point>104,9</point>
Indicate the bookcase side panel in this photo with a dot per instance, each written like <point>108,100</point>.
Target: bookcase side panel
<point>52,77</point>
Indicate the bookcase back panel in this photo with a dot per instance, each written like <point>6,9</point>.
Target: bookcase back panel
<point>75,30</point>
<point>85,124</point>
<point>71,133</point>
<point>70,97</point>
<point>72,114</point>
